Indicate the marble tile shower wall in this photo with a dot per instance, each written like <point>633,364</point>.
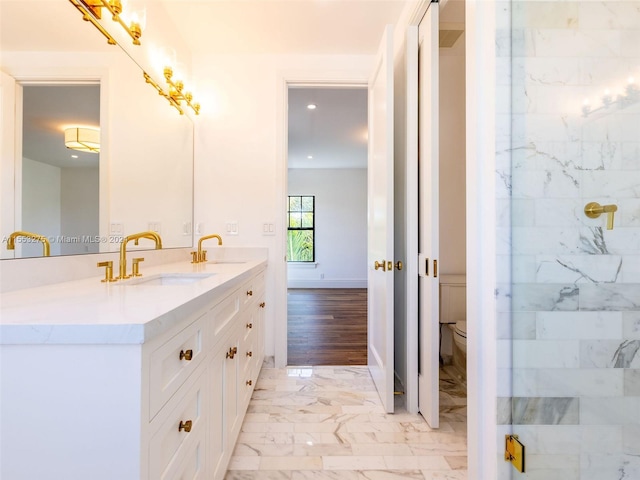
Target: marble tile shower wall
<point>575,286</point>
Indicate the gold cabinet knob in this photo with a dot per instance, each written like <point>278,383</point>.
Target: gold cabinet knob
<point>249,383</point>
<point>380,265</point>
<point>249,354</point>
<point>249,325</point>
<point>262,305</point>
<point>232,352</point>
<point>186,354</point>
<point>249,293</point>
<point>185,426</point>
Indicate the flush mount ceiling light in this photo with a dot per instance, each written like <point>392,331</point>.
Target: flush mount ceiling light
<point>312,106</point>
<point>82,139</point>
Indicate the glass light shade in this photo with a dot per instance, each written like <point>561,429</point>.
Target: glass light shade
<point>82,139</point>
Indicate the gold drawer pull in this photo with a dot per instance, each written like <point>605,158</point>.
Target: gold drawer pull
<point>249,354</point>
<point>186,426</point>
<point>249,293</point>
<point>232,352</point>
<point>262,305</point>
<point>249,325</point>
<point>249,382</point>
<point>186,354</point>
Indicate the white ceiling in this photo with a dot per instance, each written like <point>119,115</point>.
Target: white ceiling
<point>334,134</point>
<point>284,26</point>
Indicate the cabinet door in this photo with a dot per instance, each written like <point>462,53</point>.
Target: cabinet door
<point>178,429</point>
<point>217,429</point>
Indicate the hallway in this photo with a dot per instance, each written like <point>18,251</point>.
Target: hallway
<point>327,326</point>
<point>328,423</point>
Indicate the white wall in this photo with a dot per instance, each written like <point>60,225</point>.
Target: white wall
<point>79,209</point>
<point>40,205</point>
<point>340,228</point>
<point>452,160</point>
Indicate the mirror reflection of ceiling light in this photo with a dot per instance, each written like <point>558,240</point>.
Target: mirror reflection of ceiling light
<point>82,139</point>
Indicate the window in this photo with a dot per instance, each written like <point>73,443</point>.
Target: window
<point>301,225</point>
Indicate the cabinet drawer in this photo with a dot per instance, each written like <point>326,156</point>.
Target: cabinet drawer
<point>253,289</point>
<point>193,465</point>
<point>173,362</point>
<point>224,313</point>
<point>176,432</point>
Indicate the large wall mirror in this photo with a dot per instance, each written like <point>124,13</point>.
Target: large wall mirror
<point>59,72</point>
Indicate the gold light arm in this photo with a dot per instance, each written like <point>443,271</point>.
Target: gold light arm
<point>162,93</point>
<point>46,246</point>
<point>176,91</point>
<point>115,8</point>
<point>88,17</point>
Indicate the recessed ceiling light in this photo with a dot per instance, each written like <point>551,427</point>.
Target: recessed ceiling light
<point>74,156</point>
<point>309,157</point>
<point>312,106</point>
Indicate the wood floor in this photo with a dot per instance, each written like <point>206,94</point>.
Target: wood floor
<point>327,326</point>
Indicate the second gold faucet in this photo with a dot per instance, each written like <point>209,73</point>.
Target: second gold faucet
<point>201,255</point>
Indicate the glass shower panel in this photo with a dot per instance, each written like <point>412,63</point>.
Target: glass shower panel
<point>575,282</point>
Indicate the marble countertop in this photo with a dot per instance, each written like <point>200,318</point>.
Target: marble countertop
<point>90,312</point>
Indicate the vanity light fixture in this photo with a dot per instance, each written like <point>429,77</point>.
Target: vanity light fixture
<point>177,93</point>
<point>82,139</point>
<point>162,93</point>
<point>92,12</point>
<point>623,98</point>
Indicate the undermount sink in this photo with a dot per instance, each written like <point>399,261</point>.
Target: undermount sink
<point>168,279</point>
<point>223,262</point>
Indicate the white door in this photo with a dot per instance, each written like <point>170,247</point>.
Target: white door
<point>429,308</point>
<point>380,223</point>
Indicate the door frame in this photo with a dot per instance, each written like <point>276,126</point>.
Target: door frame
<point>482,343</point>
<point>286,79</point>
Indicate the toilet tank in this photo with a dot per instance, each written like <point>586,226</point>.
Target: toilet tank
<point>453,298</point>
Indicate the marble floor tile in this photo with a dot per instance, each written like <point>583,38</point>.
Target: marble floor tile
<point>328,423</point>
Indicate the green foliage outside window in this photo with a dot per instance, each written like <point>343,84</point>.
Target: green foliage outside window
<point>301,229</point>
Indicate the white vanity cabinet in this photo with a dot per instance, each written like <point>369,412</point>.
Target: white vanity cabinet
<point>169,408</point>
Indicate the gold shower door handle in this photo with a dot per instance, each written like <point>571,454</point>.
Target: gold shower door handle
<point>594,210</point>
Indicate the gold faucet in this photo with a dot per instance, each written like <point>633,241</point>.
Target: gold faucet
<point>46,246</point>
<point>123,249</point>
<point>201,255</point>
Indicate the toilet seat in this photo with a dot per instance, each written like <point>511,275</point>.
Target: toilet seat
<point>461,329</point>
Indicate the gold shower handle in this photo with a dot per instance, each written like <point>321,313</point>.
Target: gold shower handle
<point>594,210</point>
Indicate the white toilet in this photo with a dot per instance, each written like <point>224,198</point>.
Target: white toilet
<point>460,335</point>
<point>453,312</point>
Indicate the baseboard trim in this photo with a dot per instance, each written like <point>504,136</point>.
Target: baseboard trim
<point>327,284</point>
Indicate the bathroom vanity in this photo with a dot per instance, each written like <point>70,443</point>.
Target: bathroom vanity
<point>145,380</point>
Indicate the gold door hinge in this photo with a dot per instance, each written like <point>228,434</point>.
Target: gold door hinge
<point>514,452</point>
